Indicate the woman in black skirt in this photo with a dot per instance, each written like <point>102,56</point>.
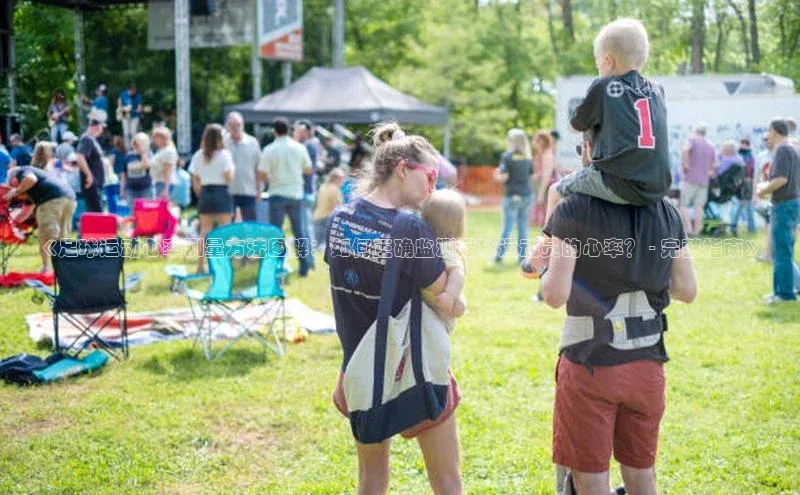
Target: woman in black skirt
<point>212,170</point>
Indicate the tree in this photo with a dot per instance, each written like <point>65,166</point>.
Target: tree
<point>698,35</point>
<point>751,9</point>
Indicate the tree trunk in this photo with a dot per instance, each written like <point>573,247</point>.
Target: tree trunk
<point>550,28</point>
<point>751,7</point>
<point>698,35</point>
<point>566,13</point>
<point>721,17</point>
<point>743,29</point>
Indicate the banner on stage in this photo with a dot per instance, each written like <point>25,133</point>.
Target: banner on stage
<point>231,25</point>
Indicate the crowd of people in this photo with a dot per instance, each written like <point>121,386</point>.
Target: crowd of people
<point>613,331</point>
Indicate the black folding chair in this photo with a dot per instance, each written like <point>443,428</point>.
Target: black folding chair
<point>90,293</point>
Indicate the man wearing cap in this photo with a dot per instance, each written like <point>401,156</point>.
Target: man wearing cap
<point>67,146</point>
<point>90,159</point>
<point>784,186</point>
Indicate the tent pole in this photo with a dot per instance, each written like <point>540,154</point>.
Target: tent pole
<point>286,69</point>
<point>447,140</point>
<point>338,34</point>
<point>11,74</point>
<point>255,59</point>
<point>80,69</point>
<point>183,90</point>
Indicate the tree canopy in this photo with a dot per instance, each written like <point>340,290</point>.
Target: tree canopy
<point>492,62</point>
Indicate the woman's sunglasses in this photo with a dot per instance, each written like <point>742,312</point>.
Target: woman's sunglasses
<point>431,173</point>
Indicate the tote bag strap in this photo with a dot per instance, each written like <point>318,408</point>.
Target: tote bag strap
<point>389,284</point>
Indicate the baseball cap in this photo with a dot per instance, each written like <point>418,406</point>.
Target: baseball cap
<point>69,136</point>
<point>97,116</point>
<point>72,157</point>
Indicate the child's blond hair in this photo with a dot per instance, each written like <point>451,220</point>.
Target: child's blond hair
<point>626,40</point>
<point>446,213</point>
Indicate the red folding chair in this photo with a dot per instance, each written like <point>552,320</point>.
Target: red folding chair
<point>151,217</point>
<point>98,226</point>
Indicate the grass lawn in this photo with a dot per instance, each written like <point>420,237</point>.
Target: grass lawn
<point>168,421</point>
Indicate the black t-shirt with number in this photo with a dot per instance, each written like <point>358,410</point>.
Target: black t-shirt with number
<point>621,248</point>
<point>629,119</point>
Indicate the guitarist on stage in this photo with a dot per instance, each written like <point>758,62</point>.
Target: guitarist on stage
<point>129,109</point>
<point>57,116</point>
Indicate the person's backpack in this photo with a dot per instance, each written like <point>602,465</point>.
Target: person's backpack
<point>399,374</point>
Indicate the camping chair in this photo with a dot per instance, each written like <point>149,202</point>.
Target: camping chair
<point>75,264</point>
<point>152,217</point>
<point>98,226</point>
<point>220,303</point>
<point>17,223</point>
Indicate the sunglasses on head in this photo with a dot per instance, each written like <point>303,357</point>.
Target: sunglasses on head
<point>431,173</point>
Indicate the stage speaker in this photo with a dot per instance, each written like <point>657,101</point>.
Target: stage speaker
<point>204,7</point>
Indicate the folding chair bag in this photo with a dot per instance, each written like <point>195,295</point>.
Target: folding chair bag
<point>399,373</point>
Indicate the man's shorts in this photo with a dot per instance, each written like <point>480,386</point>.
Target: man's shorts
<point>611,408</point>
<point>589,181</point>
<point>55,218</point>
<point>693,195</point>
<point>453,399</point>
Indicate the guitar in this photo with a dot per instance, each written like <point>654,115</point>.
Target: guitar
<point>52,118</point>
<point>124,112</point>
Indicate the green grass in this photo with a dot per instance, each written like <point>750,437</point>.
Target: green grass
<point>167,421</point>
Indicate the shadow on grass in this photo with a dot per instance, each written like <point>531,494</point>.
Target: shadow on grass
<point>191,364</point>
<point>780,313</point>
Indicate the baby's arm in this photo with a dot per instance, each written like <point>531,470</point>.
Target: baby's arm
<point>451,297</point>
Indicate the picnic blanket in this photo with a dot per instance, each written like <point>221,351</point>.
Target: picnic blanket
<point>175,324</point>
<point>13,279</point>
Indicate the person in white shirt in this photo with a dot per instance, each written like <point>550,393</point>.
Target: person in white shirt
<point>212,169</point>
<point>165,163</point>
<point>283,164</point>
<point>245,189</point>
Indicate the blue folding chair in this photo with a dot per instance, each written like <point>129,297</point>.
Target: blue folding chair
<point>220,302</point>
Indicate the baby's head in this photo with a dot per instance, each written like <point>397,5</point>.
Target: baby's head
<point>335,177</point>
<point>621,46</point>
<point>728,148</point>
<point>446,213</point>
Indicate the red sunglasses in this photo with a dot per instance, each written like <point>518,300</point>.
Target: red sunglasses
<point>431,173</point>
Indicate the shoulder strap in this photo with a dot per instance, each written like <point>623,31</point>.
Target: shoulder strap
<point>389,283</point>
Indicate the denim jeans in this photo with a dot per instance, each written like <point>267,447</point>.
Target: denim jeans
<point>739,206</point>
<point>515,211</point>
<point>247,205</point>
<point>785,273</point>
<point>279,207</point>
<point>112,192</point>
<point>57,131</point>
<point>159,189</point>
<point>133,194</point>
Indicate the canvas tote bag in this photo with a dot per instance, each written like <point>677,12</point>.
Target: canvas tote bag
<point>399,373</point>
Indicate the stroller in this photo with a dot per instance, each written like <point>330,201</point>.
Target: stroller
<point>721,190</point>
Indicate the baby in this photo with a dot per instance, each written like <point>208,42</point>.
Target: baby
<point>446,214</point>
<point>626,115</point>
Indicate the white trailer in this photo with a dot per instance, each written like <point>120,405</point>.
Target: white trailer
<point>733,106</point>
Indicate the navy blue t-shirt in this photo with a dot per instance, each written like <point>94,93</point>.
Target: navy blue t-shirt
<point>136,178</point>
<point>358,246</point>
<point>22,154</point>
<point>48,185</point>
<point>308,180</point>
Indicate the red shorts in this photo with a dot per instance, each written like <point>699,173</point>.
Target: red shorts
<point>453,399</point>
<point>618,408</point>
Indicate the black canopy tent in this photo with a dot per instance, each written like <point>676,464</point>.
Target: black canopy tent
<point>350,95</point>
